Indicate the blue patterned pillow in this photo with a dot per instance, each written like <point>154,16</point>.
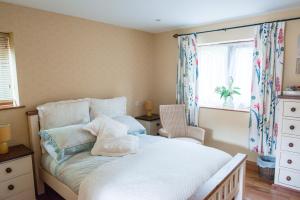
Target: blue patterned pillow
<point>135,127</point>
<point>68,140</point>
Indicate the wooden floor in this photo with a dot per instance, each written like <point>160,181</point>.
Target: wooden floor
<point>256,189</point>
<point>259,189</point>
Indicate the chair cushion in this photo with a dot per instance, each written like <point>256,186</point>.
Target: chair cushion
<point>188,139</point>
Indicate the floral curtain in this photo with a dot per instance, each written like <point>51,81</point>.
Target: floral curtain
<point>187,77</point>
<point>266,86</point>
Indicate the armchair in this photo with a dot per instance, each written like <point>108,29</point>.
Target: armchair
<point>174,125</point>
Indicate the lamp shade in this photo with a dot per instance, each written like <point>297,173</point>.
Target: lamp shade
<point>148,105</point>
<point>4,132</point>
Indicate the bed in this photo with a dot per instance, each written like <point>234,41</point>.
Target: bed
<point>227,182</point>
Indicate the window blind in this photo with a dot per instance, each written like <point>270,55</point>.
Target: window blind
<point>6,92</point>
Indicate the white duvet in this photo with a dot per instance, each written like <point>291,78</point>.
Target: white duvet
<point>170,169</point>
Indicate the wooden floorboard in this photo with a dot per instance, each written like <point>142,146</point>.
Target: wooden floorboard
<point>256,189</point>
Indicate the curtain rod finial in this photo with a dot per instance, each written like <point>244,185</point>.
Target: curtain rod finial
<point>175,36</point>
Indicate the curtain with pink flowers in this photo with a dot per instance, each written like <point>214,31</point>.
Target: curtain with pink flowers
<point>187,77</point>
<point>266,86</point>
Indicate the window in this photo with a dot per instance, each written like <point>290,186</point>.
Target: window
<point>8,77</point>
<point>219,64</point>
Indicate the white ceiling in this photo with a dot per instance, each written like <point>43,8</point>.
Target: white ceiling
<point>174,14</point>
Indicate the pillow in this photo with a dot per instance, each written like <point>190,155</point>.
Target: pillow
<point>68,140</point>
<point>109,107</point>
<point>63,113</point>
<point>118,146</point>
<point>135,127</point>
<point>106,127</point>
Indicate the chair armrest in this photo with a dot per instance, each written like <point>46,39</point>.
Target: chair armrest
<point>163,132</point>
<point>196,133</point>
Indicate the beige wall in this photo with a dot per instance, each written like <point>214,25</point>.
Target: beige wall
<point>61,57</point>
<point>226,130</point>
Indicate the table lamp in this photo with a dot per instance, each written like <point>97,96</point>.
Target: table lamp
<point>148,105</point>
<point>4,137</point>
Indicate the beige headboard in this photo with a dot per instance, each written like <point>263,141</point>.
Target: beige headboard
<point>34,138</point>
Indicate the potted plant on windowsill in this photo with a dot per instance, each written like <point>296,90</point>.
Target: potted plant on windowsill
<point>227,93</point>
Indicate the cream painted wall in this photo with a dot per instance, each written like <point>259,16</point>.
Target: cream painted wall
<point>61,57</point>
<point>226,130</point>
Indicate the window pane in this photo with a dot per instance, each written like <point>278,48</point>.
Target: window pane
<point>241,64</point>
<point>217,64</point>
<point>212,73</point>
<point>8,76</point>
<point>5,72</point>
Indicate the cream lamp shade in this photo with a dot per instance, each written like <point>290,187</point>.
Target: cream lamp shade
<point>5,136</point>
<point>148,105</point>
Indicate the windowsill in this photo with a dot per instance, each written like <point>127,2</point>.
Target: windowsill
<point>226,109</point>
<point>11,107</point>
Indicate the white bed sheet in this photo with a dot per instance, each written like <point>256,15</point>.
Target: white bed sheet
<point>73,170</point>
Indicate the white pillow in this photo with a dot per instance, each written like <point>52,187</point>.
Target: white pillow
<point>105,127</point>
<point>118,146</point>
<point>63,113</point>
<point>63,141</point>
<point>109,107</point>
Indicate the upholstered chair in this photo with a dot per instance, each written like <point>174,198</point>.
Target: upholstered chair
<point>174,125</point>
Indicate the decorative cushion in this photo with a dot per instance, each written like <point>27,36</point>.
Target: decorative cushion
<point>135,127</point>
<point>68,140</point>
<point>112,138</point>
<point>63,113</point>
<point>109,107</point>
<point>115,146</point>
<point>106,127</point>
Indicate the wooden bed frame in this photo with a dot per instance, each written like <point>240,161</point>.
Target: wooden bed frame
<point>227,184</point>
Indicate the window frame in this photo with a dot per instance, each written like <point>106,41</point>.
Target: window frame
<point>244,110</point>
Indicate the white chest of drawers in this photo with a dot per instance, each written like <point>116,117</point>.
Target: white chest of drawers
<point>16,174</point>
<point>287,171</point>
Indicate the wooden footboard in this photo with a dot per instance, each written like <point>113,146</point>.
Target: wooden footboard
<point>226,184</point>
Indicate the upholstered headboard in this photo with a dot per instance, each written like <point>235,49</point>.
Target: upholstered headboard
<point>34,138</point>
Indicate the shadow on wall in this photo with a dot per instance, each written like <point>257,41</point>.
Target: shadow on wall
<point>227,147</point>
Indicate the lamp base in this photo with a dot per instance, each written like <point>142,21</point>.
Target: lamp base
<point>149,113</point>
<point>3,148</point>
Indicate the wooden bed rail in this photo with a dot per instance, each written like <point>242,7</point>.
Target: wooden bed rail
<point>226,184</point>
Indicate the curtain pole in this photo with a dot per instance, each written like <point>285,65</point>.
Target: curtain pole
<point>235,27</point>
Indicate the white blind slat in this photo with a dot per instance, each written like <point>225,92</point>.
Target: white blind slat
<point>5,70</point>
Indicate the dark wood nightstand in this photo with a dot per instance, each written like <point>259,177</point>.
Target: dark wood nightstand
<point>152,124</point>
<point>16,174</point>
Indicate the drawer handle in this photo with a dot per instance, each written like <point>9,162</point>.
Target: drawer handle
<point>293,109</point>
<point>292,127</point>
<point>288,178</point>
<point>11,187</point>
<point>291,144</point>
<point>8,170</point>
<point>289,161</point>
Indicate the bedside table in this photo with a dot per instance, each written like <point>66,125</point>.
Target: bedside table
<point>16,174</point>
<point>152,124</point>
